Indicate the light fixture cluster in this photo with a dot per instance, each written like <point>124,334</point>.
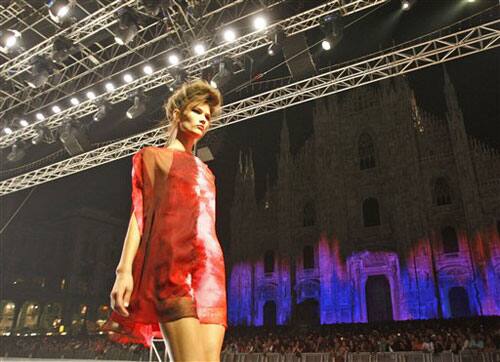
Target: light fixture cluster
<point>125,31</point>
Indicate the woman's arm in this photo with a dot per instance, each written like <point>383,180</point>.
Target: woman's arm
<point>130,246</point>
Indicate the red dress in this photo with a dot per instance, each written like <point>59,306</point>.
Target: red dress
<point>178,270</point>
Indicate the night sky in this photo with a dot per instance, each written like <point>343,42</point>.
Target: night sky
<point>475,78</point>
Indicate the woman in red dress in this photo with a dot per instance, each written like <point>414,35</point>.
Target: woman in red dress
<point>170,280</point>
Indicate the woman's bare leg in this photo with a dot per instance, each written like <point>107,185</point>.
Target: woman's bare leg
<point>212,336</point>
<point>183,339</point>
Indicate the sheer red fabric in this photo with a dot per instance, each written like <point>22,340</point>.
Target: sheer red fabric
<point>178,270</point>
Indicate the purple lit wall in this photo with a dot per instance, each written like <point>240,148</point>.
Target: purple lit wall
<point>422,284</point>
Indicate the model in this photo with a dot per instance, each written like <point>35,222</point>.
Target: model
<point>170,280</point>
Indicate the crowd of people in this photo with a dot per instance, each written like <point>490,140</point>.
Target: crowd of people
<point>430,336</point>
<point>69,347</point>
<point>433,336</point>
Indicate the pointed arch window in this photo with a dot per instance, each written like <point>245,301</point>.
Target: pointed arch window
<point>366,150</point>
<point>269,261</point>
<point>450,240</point>
<point>371,214</point>
<point>308,214</point>
<point>308,257</point>
<point>442,192</point>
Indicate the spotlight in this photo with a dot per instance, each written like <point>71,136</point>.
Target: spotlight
<point>199,49</point>
<point>23,123</point>
<point>7,130</point>
<point>9,40</point>
<point>127,27</point>
<point>138,107</point>
<point>179,75</point>
<point>103,107</point>
<point>40,71</point>
<point>16,153</point>
<point>407,4</point>
<point>173,59</point>
<point>59,10</point>
<point>333,28</point>
<point>260,23</point>
<point>73,137</point>
<point>224,74</point>
<point>62,48</point>
<point>152,7</point>
<point>109,87</point>
<point>40,116</point>
<point>229,35</point>
<point>148,69</point>
<point>91,95</point>
<point>278,37</point>
<point>127,77</point>
<point>74,101</point>
<point>42,134</point>
<point>56,109</point>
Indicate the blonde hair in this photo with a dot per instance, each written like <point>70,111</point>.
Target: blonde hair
<point>196,91</point>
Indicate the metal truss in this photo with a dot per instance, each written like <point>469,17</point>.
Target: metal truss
<point>89,25</point>
<point>386,65</point>
<point>106,62</point>
<point>9,12</point>
<point>293,25</point>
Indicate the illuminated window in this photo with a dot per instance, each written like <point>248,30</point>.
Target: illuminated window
<point>269,261</point>
<point>371,216</point>
<point>366,151</point>
<point>63,283</point>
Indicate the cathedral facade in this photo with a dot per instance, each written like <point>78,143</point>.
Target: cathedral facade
<point>386,213</point>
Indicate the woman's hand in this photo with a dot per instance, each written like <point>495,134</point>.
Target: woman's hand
<point>121,292</point>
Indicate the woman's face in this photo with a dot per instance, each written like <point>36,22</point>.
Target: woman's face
<point>195,120</point>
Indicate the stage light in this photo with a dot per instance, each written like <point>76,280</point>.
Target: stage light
<point>332,26</point>
<point>224,74</point>
<point>9,40</point>
<point>152,7</point>
<point>179,75</point>
<point>59,9</point>
<point>173,59</point>
<point>42,133</point>
<point>109,87</point>
<point>127,27</point>
<point>23,123</point>
<point>62,48</point>
<point>74,101</point>
<point>199,49</point>
<point>16,153</point>
<point>229,35</point>
<point>407,4</point>
<point>40,71</point>
<point>7,130</point>
<point>103,107</point>
<point>73,137</point>
<point>277,37</point>
<point>147,69</point>
<point>138,107</point>
<point>91,95</point>
<point>260,23</point>
<point>127,77</point>
<point>40,116</point>
<point>56,109</point>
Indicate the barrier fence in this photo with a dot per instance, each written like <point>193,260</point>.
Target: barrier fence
<point>364,357</point>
